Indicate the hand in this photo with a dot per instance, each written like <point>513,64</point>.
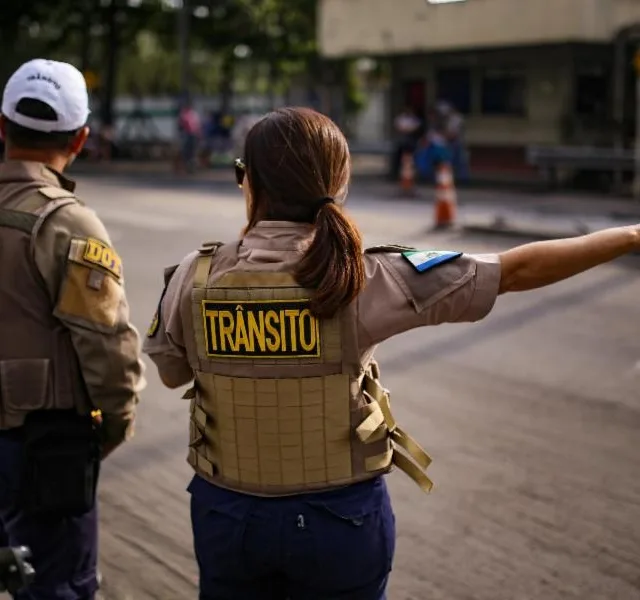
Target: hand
<point>636,232</point>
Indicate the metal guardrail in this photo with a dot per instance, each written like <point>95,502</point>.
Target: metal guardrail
<point>380,147</point>
<point>580,157</point>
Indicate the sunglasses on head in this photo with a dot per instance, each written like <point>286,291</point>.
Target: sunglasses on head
<point>240,169</point>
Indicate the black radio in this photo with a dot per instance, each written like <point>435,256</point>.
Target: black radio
<point>15,572</point>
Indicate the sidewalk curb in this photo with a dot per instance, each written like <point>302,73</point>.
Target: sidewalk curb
<point>528,233</point>
<point>500,225</point>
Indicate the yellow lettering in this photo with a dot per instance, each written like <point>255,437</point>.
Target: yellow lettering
<point>292,314</point>
<point>256,331</point>
<point>107,259</point>
<point>241,333</point>
<point>273,343</point>
<point>93,251</point>
<point>283,331</point>
<point>307,344</point>
<point>98,254</point>
<point>211,316</point>
<point>226,330</point>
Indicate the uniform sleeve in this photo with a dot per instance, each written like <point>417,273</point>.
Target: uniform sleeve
<point>165,341</point>
<point>398,298</point>
<point>84,276</point>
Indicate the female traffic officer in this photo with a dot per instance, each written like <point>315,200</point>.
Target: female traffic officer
<point>291,431</point>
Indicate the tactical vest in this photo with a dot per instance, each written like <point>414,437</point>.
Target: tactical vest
<point>281,402</point>
<point>38,364</point>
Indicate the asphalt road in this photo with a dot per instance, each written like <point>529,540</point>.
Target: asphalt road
<point>532,418</point>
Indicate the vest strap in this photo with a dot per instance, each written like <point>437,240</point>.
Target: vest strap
<point>409,468</point>
<point>49,208</point>
<point>16,219</point>
<point>190,393</point>
<point>408,455</point>
<point>203,266</point>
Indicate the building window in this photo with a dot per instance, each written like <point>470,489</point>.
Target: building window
<point>454,86</point>
<point>503,92</point>
<point>591,92</point>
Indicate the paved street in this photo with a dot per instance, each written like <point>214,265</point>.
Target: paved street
<point>532,418</point>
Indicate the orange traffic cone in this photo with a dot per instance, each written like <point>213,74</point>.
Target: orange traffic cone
<point>446,201</point>
<point>407,173</point>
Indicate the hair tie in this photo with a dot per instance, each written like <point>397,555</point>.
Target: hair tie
<point>324,201</point>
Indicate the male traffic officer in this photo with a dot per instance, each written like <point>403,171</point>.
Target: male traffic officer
<point>67,348</point>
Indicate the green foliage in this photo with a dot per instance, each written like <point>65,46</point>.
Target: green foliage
<point>257,45</point>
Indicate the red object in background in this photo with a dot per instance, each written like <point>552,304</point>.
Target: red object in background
<point>415,95</point>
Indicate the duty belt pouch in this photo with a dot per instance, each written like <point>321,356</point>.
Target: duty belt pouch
<point>61,464</point>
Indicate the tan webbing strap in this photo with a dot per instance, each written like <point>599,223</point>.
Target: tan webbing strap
<point>203,266</point>
<point>371,424</point>
<point>410,469</point>
<point>416,459</point>
<point>411,447</point>
<point>199,416</point>
<point>205,465</point>
<point>200,463</point>
<point>379,461</point>
<point>43,215</point>
<point>190,394</point>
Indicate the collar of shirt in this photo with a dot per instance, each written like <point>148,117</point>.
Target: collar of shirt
<point>16,171</point>
<point>279,236</point>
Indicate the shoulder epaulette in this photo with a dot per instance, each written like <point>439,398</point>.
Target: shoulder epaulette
<point>209,247</point>
<point>398,248</point>
<point>54,193</point>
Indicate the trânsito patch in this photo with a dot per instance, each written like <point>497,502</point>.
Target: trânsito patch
<point>423,260</point>
<point>270,329</point>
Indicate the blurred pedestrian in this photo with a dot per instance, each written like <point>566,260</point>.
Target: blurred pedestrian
<point>189,134</point>
<point>408,128</point>
<point>452,128</point>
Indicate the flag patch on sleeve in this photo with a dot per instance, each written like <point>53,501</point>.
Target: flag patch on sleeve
<point>423,260</point>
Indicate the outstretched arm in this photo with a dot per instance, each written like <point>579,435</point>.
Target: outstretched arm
<point>539,264</point>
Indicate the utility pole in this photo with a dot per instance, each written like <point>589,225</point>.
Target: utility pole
<point>636,180</point>
<point>184,22</point>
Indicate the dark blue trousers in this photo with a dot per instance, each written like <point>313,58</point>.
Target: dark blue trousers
<point>64,551</point>
<point>335,545</point>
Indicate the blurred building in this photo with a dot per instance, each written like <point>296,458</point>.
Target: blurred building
<point>521,71</point>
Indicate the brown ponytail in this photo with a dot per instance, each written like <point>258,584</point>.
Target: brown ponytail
<point>298,169</point>
<point>333,265</point>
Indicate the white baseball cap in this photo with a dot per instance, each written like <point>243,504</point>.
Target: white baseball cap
<point>58,84</point>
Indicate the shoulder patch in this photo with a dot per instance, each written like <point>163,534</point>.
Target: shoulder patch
<point>389,248</point>
<point>423,260</point>
<point>94,253</point>
<point>99,254</point>
<point>155,324</point>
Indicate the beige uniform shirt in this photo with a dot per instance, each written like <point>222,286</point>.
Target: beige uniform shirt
<point>106,343</point>
<point>396,297</point>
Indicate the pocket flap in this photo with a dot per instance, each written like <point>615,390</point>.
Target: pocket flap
<point>24,384</point>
